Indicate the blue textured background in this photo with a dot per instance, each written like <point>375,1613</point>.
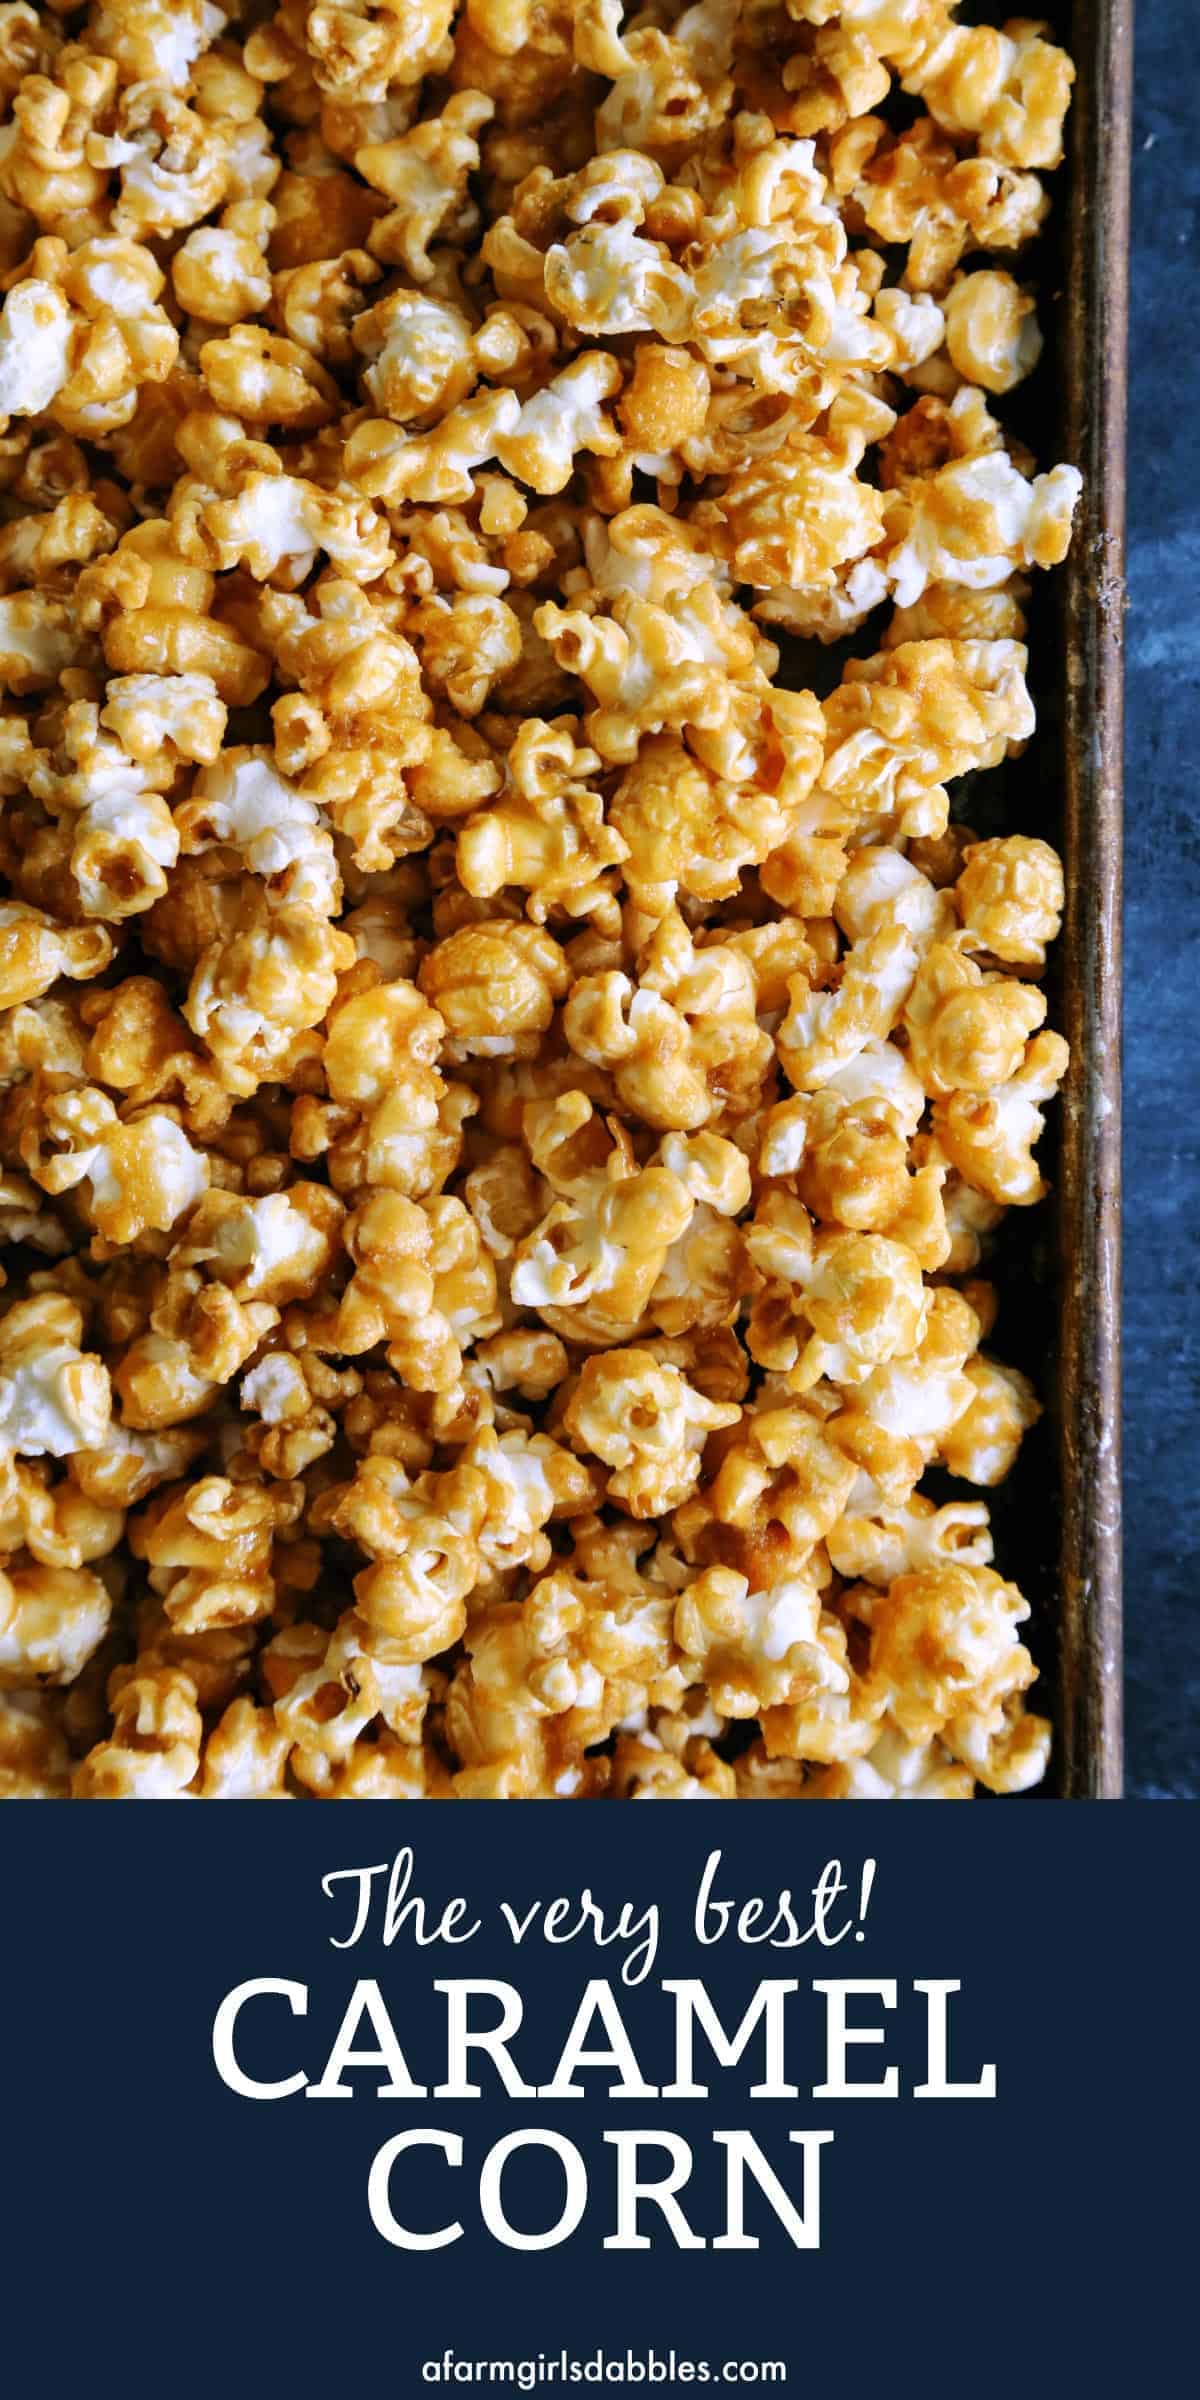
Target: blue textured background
<point>1162,934</point>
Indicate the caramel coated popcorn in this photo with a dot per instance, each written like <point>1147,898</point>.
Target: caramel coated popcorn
<point>512,1050</point>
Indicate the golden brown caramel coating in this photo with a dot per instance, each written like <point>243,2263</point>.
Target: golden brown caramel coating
<point>505,1096</point>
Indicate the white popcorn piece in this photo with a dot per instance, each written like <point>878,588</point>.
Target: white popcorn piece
<point>147,711</point>
<point>977,520</point>
<point>35,341</point>
<point>51,1622</point>
<point>245,802</point>
<point>275,1389</point>
<point>37,641</point>
<point>180,1172</point>
<point>560,421</point>
<point>54,1402</point>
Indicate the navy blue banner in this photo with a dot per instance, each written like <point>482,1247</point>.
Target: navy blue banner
<point>547,2100</point>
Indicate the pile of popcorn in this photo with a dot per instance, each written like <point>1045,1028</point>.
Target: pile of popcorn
<point>505,1094</point>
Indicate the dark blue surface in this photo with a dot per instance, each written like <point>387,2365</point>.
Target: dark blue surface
<point>166,2237</point>
<point>1162,1016</point>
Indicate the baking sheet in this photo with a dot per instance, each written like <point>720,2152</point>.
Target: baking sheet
<point>1086,1413</point>
<point>1056,1519</point>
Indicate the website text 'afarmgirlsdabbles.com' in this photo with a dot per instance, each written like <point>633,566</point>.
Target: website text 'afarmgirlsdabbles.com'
<point>562,2367</point>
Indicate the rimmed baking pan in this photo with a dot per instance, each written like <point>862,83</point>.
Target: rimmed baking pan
<point>1057,1518</point>
<point>1087,1398</point>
